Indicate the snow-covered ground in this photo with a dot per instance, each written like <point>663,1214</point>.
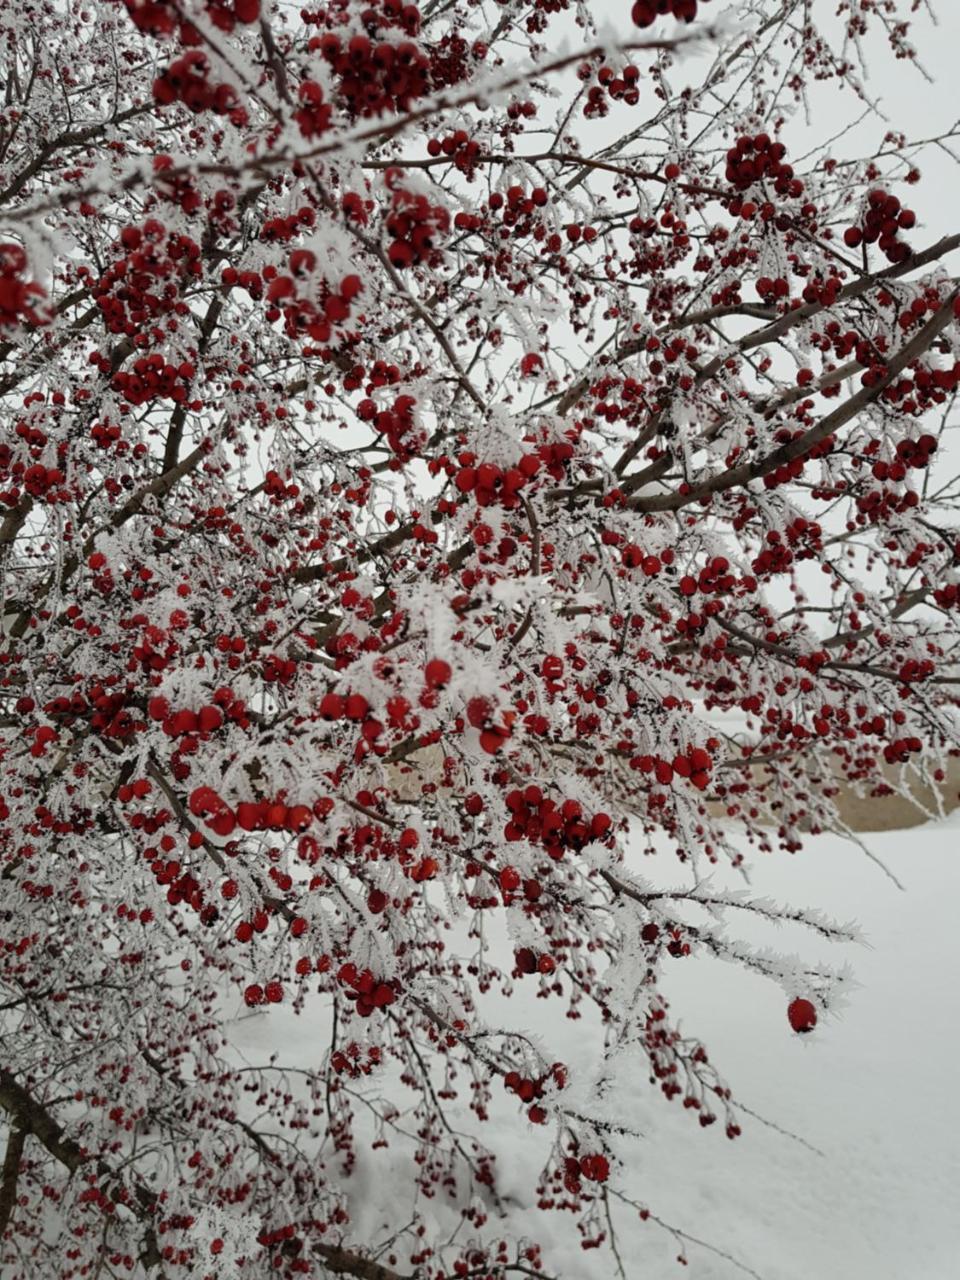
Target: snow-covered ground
<point>874,1089</point>
<point>868,1186</point>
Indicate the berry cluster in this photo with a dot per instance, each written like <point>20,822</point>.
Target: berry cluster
<point>882,223</point>
<point>262,815</point>
<point>594,1168</point>
<point>283,230</point>
<point>161,17</point>
<point>802,542</point>
<point>63,708</point>
<point>452,60</point>
<point>910,453</point>
<point>511,882</point>
<point>246,929</point>
<point>900,750</point>
<point>881,504</point>
<point>278,670</point>
<point>152,17</point>
<point>397,423</point>
<point>180,189</point>
<point>152,378</point>
<point>915,669</point>
<point>460,150</point>
<point>279,489</point>
<point>351,1060</point>
<point>185,80</point>
<point>646,12</point>
<point>491,484</point>
<point>618,88</point>
<point>518,209</point>
<point>823,290</point>
<point>251,281</point>
<point>225,14</point>
<point>110,715</point>
<point>531,1088</point>
<point>538,819</point>
<point>156,648</point>
<point>756,159</point>
<point>337,706</point>
<point>255,994</point>
<point>209,718</point>
<point>525,1087</point>
<point>136,789</point>
<point>788,471</point>
<point>16,294</point>
<point>352,707</point>
<point>714,578</point>
<point>633,556</point>
<point>43,736</point>
<point>318,314</point>
<point>314,114</point>
<point>367,992</point>
<point>106,434</point>
<point>948,597</point>
<point>926,388</point>
<point>529,961</point>
<point>773,289</point>
<point>181,886</point>
<point>398,14</point>
<point>374,78</point>
<point>493,733</point>
<point>556,458</point>
<point>144,285</point>
<point>694,765</point>
<point>915,314</point>
<point>415,224</point>
<point>109,712</point>
<point>45,483</point>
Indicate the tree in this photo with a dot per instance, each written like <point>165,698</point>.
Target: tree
<point>401,463</point>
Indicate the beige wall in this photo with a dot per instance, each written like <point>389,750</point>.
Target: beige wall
<point>868,813</point>
<point>896,812</point>
<point>891,813</point>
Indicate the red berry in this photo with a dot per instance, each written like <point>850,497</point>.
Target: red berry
<point>298,818</point>
<point>492,740</point>
<point>479,711</point>
<point>802,1015</point>
<point>249,816</point>
<point>595,1168</point>
<point>355,706</point>
<point>209,719</point>
<point>437,673</point>
<point>223,823</point>
<point>205,800</point>
<point>331,706</point>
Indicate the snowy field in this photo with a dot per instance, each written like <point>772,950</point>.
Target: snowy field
<point>868,1185</point>
<point>873,1088</point>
